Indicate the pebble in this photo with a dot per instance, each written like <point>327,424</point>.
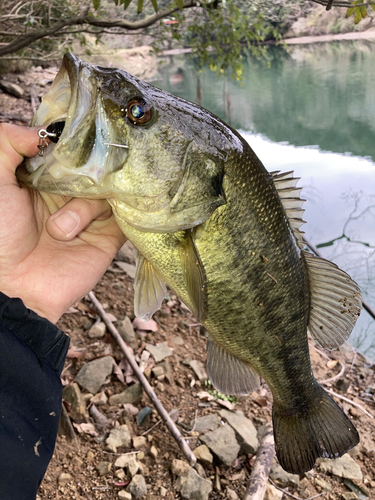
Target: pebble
<point>199,369</point>
<point>90,456</point>
<point>223,443</point>
<point>93,374</point>
<point>273,493</point>
<point>99,399</point>
<point>323,484</point>
<point>119,436</point>
<point>245,430</point>
<point>78,412</point>
<point>11,88</point>
<point>179,467</point>
<point>344,467</point>
<point>153,452</point>
<point>124,495</point>
<point>192,486</point>
<point>207,423</point>
<point>159,351</point>
<point>231,494</point>
<point>131,395</point>
<point>203,454</point>
<point>283,478</point>
<point>349,496</point>
<point>97,331</point>
<point>76,463</point>
<point>139,441</point>
<point>64,479</point>
<point>126,330</point>
<point>104,468</point>
<point>137,486</point>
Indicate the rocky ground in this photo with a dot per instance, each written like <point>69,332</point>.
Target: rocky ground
<point>112,444</point>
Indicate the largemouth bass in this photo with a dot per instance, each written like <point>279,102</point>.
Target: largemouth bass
<point>210,222</point>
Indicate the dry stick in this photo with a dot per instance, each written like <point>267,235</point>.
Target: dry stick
<point>257,484</point>
<point>144,382</point>
<point>350,401</point>
<point>294,496</point>
<point>336,376</point>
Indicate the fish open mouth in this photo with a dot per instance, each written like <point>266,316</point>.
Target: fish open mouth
<point>81,136</point>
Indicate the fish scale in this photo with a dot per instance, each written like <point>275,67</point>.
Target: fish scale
<point>210,222</point>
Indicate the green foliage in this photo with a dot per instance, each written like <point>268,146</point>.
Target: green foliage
<point>359,11</point>
<point>219,395</point>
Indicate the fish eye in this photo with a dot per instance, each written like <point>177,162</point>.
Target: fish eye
<point>139,111</point>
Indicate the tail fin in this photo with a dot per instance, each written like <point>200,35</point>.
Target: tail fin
<point>321,430</point>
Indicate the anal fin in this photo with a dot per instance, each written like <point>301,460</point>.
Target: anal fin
<point>335,302</point>
<point>149,289</point>
<point>229,374</point>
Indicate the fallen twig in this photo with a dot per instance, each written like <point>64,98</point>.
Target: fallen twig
<point>294,496</point>
<point>350,401</point>
<point>144,382</point>
<point>84,492</point>
<point>336,376</point>
<point>257,484</point>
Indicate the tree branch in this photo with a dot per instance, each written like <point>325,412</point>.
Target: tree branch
<point>338,3</point>
<point>24,41</point>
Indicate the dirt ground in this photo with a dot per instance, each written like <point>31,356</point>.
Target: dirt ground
<point>81,455</point>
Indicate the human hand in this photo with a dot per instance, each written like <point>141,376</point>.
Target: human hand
<point>49,261</point>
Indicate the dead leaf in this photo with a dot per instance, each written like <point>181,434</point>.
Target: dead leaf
<point>261,401</point>
<point>332,363</point>
<point>75,352</point>
<point>205,395</point>
<point>86,429</point>
<point>83,307</point>
<point>118,372</point>
<point>226,404</point>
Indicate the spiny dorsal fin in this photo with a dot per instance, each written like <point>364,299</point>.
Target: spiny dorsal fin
<point>289,195</point>
<point>335,302</point>
<point>229,374</point>
<point>149,289</point>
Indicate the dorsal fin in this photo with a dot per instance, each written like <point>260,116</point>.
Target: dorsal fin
<point>289,195</point>
<point>335,301</point>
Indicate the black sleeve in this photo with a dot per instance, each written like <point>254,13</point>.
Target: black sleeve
<point>32,354</point>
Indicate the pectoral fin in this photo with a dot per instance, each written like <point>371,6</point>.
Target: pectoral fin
<point>149,289</point>
<point>229,374</point>
<point>194,275</point>
<point>335,302</point>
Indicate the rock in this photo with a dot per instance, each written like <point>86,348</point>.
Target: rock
<point>179,467</point>
<point>133,467</point>
<point>283,478</point>
<point>349,495</point>
<point>90,456</point>
<point>139,441</point>
<point>124,495</point>
<point>64,479</point>
<point>322,484</point>
<point>76,463</point>
<point>93,374</point>
<point>223,443</point>
<point>192,486</point>
<point>126,330</point>
<point>128,268</point>
<point>203,455</point>
<point>178,340</point>
<point>97,331</point>
<point>119,436</point>
<point>73,396</point>
<point>126,253</point>
<point>131,395</point>
<point>120,474</point>
<point>137,486</point>
<point>199,369</point>
<point>198,467</point>
<point>273,493</point>
<point>99,399</point>
<point>344,467</point>
<point>207,423</point>
<point>153,452</point>
<point>159,351</point>
<point>163,491</point>
<point>104,468</point>
<point>11,88</point>
<point>123,460</point>
<point>245,430</point>
<point>231,495</point>
<point>130,410</point>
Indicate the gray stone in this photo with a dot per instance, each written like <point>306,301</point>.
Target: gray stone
<point>78,411</point>
<point>131,395</point>
<point>119,436</point>
<point>159,351</point>
<point>199,369</point>
<point>103,468</point>
<point>128,268</point>
<point>344,467</point>
<point>137,486</point>
<point>93,374</point>
<point>192,486</point>
<point>207,423</point>
<point>11,88</point>
<point>273,493</point>
<point>223,443</point>
<point>323,484</point>
<point>283,478</point>
<point>179,467</point>
<point>126,330</point>
<point>64,478</point>
<point>139,441</point>
<point>97,331</point>
<point>126,253</point>
<point>349,495</point>
<point>245,430</point>
<point>203,454</point>
<point>124,495</point>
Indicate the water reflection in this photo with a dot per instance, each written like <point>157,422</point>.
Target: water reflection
<point>322,95</point>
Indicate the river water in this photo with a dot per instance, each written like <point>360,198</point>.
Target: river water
<point>310,109</point>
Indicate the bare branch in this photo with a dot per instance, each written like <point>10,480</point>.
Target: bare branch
<point>338,3</point>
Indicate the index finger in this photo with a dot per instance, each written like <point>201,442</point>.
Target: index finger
<point>15,143</point>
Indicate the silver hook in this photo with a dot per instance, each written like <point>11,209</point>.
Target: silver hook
<point>43,135</point>
<point>116,145</point>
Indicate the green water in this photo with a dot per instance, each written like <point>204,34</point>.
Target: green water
<point>311,110</point>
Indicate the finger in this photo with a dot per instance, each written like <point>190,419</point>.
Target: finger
<point>75,216</point>
<point>17,142</point>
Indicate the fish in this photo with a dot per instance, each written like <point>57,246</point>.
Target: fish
<point>211,223</point>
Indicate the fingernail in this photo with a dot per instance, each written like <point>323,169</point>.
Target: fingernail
<point>67,222</point>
